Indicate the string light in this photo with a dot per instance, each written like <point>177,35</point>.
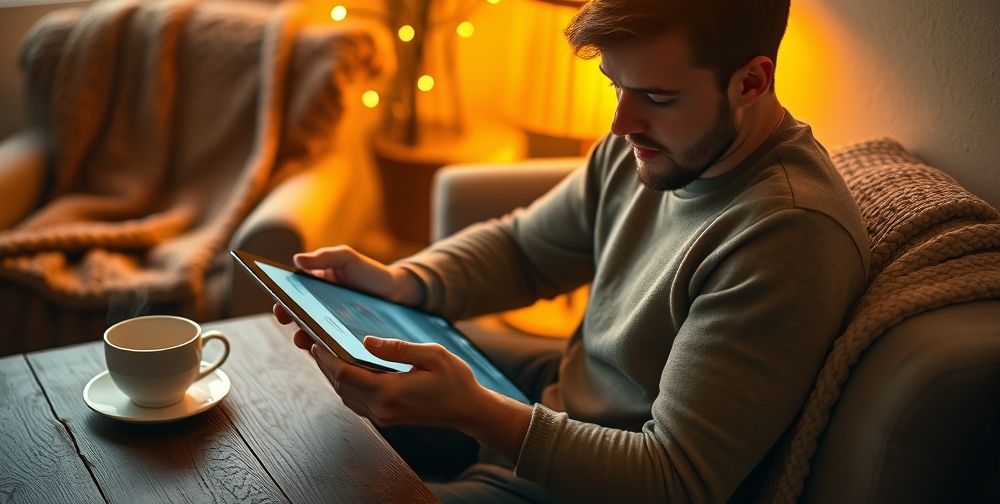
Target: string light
<point>465,29</point>
<point>370,98</point>
<point>425,83</point>
<point>338,13</point>
<point>406,33</point>
<point>492,2</point>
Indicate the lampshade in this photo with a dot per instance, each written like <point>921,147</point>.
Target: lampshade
<point>549,90</point>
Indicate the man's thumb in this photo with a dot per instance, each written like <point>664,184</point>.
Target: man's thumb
<point>420,355</point>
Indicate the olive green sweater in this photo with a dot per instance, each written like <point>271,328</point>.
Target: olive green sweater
<point>711,311</point>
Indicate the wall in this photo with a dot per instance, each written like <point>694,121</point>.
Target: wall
<point>924,72</point>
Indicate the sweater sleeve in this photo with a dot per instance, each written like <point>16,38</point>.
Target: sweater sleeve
<point>765,308</point>
<point>538,252</point>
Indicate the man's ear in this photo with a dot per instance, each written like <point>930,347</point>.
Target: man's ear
<point>751,81</point>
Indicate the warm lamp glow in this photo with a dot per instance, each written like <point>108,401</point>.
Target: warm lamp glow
<point>555,318</point>
<point>338,13</point>
<point>492,2</point>
<point>425,83</point>
<point>804,61</point>
<point>370,98</point>
<point>550,90</point>
<point>406,33</point>
<point>465,29</point>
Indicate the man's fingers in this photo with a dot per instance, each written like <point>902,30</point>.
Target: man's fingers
<point>279,313</point>
<point>302,340</point>
<point>421,355</point>
<point>343,265</point>
<point>325,258</point>
<point>344,376</point>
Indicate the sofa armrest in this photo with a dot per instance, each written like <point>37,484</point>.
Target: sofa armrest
<point>464,194</point>
<point>333,201</point>
<point>22,176</point>
<point>917,420</point>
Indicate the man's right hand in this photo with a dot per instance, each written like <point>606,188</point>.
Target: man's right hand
<point>345,266</point>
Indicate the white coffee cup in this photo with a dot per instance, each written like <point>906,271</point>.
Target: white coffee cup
<point>155,359</point>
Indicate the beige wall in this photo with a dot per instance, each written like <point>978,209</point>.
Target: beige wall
<point>925,72</point>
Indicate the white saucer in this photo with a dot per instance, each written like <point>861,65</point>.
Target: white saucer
<point>102,396</point>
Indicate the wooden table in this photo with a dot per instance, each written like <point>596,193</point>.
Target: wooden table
<point>282,435</point>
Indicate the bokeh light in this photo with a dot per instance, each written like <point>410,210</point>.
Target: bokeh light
<point>370,98</point>
<point>338,13</point>
<point>425,83</point>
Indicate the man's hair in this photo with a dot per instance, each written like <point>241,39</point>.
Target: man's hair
<point>723,35</point>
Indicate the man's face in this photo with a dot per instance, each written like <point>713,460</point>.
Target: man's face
<point>678,121</point>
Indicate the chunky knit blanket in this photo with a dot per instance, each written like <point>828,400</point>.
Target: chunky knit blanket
<point>167,122</point>
<point>933,244</point>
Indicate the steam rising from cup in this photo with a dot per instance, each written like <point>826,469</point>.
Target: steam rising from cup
<point>127,304</point>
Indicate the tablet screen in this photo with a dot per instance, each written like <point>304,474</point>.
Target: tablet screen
<point>348,316</point>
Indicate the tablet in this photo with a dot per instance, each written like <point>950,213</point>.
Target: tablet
<point>339,318</point>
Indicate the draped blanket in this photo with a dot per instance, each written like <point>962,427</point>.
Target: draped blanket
<point>933,244</point>
<point>166,124</point>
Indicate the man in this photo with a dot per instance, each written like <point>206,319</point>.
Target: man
<point>723,253</point>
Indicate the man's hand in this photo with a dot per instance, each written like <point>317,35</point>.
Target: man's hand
<point>435,392</point>
<point>344,265</point>
<point>439,391</point>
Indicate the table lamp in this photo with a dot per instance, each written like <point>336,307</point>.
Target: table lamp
<point>564,102</point>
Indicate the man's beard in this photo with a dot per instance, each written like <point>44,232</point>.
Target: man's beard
<point>686,168</point>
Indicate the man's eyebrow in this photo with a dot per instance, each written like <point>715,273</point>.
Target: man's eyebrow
<point>643,90</point>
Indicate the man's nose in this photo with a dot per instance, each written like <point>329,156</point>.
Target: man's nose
<point>628,119</point>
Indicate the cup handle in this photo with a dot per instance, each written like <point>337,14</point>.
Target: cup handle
<point>209,335</point>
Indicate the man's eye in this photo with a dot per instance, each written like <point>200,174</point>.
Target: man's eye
<point>661,101</point>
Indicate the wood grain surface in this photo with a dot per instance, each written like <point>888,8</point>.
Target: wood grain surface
<point>38,459</point>
<point>201,458</point>
<point>282,435</point>
<point>313,445</point>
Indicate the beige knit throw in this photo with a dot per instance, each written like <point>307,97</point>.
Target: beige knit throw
<point>168,121</point>
<point>108,77</point>
<point>933,244</point>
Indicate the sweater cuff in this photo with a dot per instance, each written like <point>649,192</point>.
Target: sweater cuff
<point>430,285</point>
<point>536,452</point>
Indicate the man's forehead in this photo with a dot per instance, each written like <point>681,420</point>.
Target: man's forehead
<point>668,51</point>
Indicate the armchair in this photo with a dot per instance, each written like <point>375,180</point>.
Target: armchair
<point>334,200</point>
<point>22,167</point>
<point>918,419</point>
<point>161,135</point>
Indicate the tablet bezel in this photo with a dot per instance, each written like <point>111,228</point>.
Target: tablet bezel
<point>301,317</point>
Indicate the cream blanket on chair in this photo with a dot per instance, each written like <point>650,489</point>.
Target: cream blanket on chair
<point>167,122</point>
<point>933,244</point>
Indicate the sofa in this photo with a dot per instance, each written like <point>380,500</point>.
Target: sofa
<point>914,418</point>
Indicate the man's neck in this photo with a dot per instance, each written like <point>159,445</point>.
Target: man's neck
<point>756,124</point>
